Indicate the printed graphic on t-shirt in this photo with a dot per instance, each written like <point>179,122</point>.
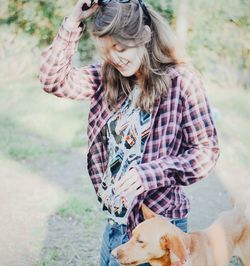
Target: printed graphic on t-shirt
<point>126,132</point>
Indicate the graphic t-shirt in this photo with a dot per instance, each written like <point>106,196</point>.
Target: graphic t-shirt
<point>126,132</point>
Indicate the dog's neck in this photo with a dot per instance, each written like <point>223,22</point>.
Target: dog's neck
<point>184,262</point>
<point>165,261</point>
<point>199,244</point>
<point>162,261</point>
<point>181,263</point>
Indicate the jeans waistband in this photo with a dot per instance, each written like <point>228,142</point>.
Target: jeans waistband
<point>176,221</point>
<point>113,223</point>
<point>122,228</point>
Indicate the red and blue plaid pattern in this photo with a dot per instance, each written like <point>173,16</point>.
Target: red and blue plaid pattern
<point>182,147</point>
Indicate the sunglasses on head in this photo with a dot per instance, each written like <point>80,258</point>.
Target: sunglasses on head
<point>105,2</point>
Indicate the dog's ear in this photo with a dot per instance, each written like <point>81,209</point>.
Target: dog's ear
<point>147,213</point>
<point>174,244</point>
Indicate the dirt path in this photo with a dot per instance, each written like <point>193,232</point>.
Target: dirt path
<point>26,202</point>
<point>38,235</point>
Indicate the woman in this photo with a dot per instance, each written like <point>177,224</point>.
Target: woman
<point>150,128</point>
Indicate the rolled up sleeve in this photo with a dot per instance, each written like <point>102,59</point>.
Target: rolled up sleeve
<point>199,147</point>
<point>57,73</point>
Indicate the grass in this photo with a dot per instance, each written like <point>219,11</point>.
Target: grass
<point>76,206</point>
<point>52,257</point>
<point>35,124</point>
<point>233,124</point>
<point>85,209</point>
<point>233,128</point>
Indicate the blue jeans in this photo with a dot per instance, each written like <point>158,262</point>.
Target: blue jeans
<point>115,235</point>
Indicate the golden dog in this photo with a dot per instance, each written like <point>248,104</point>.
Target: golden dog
<point>160,243</point>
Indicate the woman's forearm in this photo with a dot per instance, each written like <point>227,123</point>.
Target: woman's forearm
<point>58,75</point>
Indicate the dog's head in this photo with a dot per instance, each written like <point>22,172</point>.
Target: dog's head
<point>156,241</point>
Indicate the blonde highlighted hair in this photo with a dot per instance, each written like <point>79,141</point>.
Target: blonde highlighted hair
<point>125,22</point>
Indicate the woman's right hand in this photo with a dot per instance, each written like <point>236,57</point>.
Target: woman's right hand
<point>78,14</point>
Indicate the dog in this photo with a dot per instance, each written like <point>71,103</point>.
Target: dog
<point>161,243</point>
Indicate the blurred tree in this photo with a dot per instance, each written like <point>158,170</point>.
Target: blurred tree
<point>217,33</point>
<point>38,18</point>
<point>219,39</point>
<point>3,9</point>
<point>182,20</point>
<point>165,8</point>
<point>42,19</point>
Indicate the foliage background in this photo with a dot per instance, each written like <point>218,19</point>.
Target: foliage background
<point>218,31</point>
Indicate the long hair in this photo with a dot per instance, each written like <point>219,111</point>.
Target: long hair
<point>125,22</point>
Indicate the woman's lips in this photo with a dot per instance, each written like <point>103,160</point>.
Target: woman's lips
<point>122,65</point>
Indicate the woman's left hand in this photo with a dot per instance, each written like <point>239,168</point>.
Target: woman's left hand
<point>130,184</point>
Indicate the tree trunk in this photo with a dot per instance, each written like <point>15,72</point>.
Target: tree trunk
<point>182,21</point>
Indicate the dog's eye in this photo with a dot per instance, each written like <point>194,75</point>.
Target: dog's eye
<point>139,241</point>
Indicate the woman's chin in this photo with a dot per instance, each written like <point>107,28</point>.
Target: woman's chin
<point>126,73</point>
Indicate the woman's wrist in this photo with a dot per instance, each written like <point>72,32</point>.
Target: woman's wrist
<point>72,23</point>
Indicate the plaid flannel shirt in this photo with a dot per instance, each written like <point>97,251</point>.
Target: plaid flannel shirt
<point>182,147</point>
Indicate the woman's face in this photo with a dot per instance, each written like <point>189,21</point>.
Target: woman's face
<point>126,60</point>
